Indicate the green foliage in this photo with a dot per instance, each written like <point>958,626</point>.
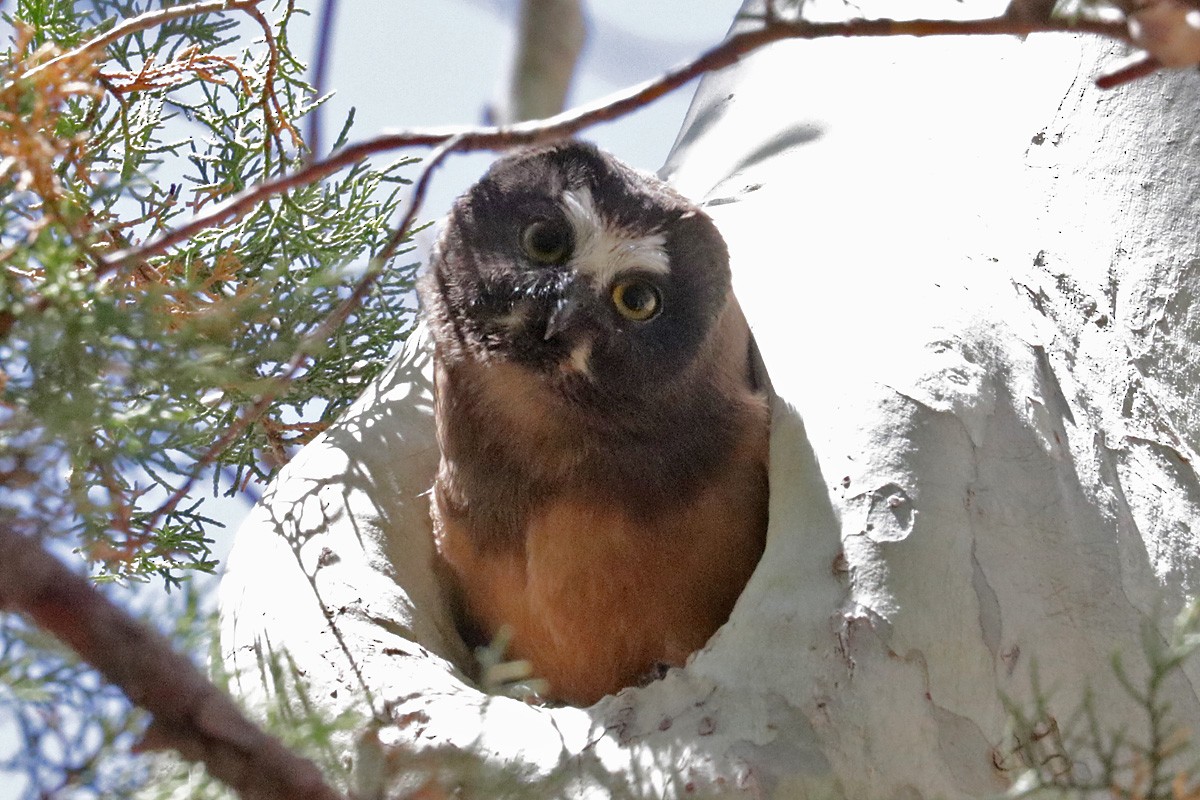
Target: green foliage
<point>121,387</point>
<point>116,384</point>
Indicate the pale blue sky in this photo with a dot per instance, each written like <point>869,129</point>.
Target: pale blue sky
<point>401,65</point>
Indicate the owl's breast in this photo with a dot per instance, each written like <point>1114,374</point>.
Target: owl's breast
<point>597,597</point>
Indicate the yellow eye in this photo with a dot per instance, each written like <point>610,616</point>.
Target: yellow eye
<point>547,241</point>
<point>636,300</point>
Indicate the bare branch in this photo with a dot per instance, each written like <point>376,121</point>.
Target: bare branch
<point>190,714</point>
<point>499,138</point>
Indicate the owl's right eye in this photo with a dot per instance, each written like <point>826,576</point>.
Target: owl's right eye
<point>547,241</point>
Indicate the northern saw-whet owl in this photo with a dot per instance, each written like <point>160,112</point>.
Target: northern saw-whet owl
<point>602,489</point>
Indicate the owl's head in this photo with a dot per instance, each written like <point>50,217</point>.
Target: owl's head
<point>574,265</point>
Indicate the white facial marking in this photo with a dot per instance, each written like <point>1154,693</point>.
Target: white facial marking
<point>577,359</point>
<point>603,253</point>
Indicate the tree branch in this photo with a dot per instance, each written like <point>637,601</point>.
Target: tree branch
<point>190,714</point>
<point>611,107</point>
<point>465,139</point>
<point>550,35</point>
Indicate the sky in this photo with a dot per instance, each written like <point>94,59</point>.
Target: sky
<point>401,65</point>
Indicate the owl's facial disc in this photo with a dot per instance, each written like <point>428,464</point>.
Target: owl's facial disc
<point>610,268</point>
<point>601,280</point>
<point>569,263</point>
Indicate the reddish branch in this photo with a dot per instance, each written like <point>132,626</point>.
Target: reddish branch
<point>190,714</point>
<point>616,105</point>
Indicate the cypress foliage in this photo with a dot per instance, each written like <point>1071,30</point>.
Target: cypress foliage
<point>127,392</point>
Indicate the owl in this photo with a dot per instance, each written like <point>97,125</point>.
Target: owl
<point>602,489</point>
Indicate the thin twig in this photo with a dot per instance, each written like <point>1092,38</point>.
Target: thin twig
<point>615,105</point>
<point>1139,65</point>
<point>270,102</point>
<point>314,340</point>
<point>190,714</point>
<point>528,133</point>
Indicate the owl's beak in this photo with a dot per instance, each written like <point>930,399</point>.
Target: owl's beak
<point>566,309</point>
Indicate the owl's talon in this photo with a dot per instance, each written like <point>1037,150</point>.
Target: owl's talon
<point>658,670</point>
<point>508,672</point>
<point>512,678</point>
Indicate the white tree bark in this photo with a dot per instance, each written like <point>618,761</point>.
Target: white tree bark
<point>970,275</point>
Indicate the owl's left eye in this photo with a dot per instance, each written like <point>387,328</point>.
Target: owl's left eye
<point>636,300</point>
<point>547,241</point>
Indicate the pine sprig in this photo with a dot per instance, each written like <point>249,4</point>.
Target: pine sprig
<point>114,385</point>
